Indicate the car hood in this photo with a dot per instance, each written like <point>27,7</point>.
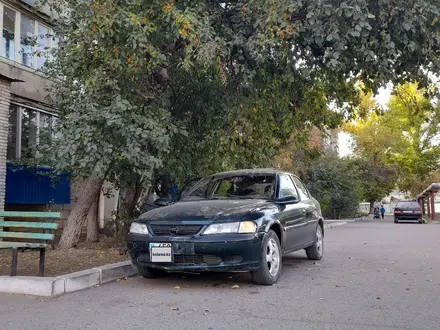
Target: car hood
<point>208,211</point>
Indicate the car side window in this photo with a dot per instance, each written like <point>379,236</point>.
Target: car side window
<point>302,190</point>
<point>287,188</point>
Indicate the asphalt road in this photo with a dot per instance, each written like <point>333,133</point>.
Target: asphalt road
<point>375,275</point>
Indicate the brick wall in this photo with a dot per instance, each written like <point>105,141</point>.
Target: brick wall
<point>5,96</point>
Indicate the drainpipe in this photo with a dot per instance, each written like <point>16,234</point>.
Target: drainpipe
<point>432,206</point>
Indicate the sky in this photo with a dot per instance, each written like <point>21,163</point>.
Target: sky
<point>345,141</point>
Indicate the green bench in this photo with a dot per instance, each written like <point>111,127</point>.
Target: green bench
<point>35,237</point>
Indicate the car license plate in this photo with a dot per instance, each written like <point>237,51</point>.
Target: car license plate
<point>407,211</point>
<point>161,252</point>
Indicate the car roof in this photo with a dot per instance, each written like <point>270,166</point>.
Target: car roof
<point>253,171</point>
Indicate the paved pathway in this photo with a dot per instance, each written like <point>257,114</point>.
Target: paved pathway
<point>375,275</point>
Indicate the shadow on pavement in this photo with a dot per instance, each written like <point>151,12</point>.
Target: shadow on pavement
<point>214,279</point>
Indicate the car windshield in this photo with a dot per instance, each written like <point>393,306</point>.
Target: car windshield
<point>407,205</point>
<point>258,186</point>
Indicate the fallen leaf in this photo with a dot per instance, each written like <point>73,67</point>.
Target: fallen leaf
<point>321,298</point>
<point>235,287</point>
<point>206,310</point>
<point>174,308</point>
<point>407,289</point>
<point>315,263</point>
<point>378,298</point>
<point>177,287</point>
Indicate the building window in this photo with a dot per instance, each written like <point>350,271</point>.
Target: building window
<point>33,41</point>
<point>28,132</point>
<point>27,128</point>
<point>12,133</point>
<point>42,46</point>
<point>27,34</point>
<point>8,39</point>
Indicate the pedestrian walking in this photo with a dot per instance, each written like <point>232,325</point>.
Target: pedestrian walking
<point>382,212</point>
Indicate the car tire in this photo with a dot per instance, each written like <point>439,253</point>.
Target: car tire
<point>270,260</point>
<point>148,272</point>
<point>421,221</point>
<point>316,251</point>
<point>396,221</point>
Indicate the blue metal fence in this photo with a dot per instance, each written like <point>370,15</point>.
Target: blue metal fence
<point>26,185</point>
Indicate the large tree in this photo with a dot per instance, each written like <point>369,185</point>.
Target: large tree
<point>127,75</point>
<point>397,146</point>
<point>416,118</point>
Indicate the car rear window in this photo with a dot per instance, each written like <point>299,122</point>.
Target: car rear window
<point>408,205</point>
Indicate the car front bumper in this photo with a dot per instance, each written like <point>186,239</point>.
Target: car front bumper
<point>216,253</point>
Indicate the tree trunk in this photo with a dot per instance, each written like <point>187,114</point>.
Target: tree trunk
<point>76,220</point>
<point>371,207</point>
<point>93,221</point>
<point>129,199</point>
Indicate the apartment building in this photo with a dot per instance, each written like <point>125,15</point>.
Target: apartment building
<point>25,114</point>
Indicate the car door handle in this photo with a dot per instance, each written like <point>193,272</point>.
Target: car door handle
<point>304,211</point>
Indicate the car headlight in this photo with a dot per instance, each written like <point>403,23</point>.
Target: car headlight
<point>244,227</point>
<point>138,228</point>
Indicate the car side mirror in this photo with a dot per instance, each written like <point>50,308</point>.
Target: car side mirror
<point>287,200</point>
<point>161,202</point>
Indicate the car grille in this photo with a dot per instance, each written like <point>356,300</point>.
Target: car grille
<point>189,259</point>
<point>175,230</point>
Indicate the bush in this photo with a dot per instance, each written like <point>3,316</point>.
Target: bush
<point>334,182</point>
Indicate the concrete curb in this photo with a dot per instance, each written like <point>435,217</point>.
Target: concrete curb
<point>333,224</point>
<point>54,286</point>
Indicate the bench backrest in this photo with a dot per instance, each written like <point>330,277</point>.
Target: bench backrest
<point>27,235</point>
<point>19,214</point>
<point>46,226</point>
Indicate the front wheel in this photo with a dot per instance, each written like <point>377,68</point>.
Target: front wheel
<point>270,261</point>
<point>316,251</point>
<point>395,220</point>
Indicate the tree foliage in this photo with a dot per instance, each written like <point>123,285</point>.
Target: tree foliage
<point>417,119</point>
<point>125,64</point>
<point>198,86</point>
<point>401,139</point>
<point>377,180</point>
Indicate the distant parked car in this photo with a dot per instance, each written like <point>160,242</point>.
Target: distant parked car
<point>233,221</point>
<point>408,211</point>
